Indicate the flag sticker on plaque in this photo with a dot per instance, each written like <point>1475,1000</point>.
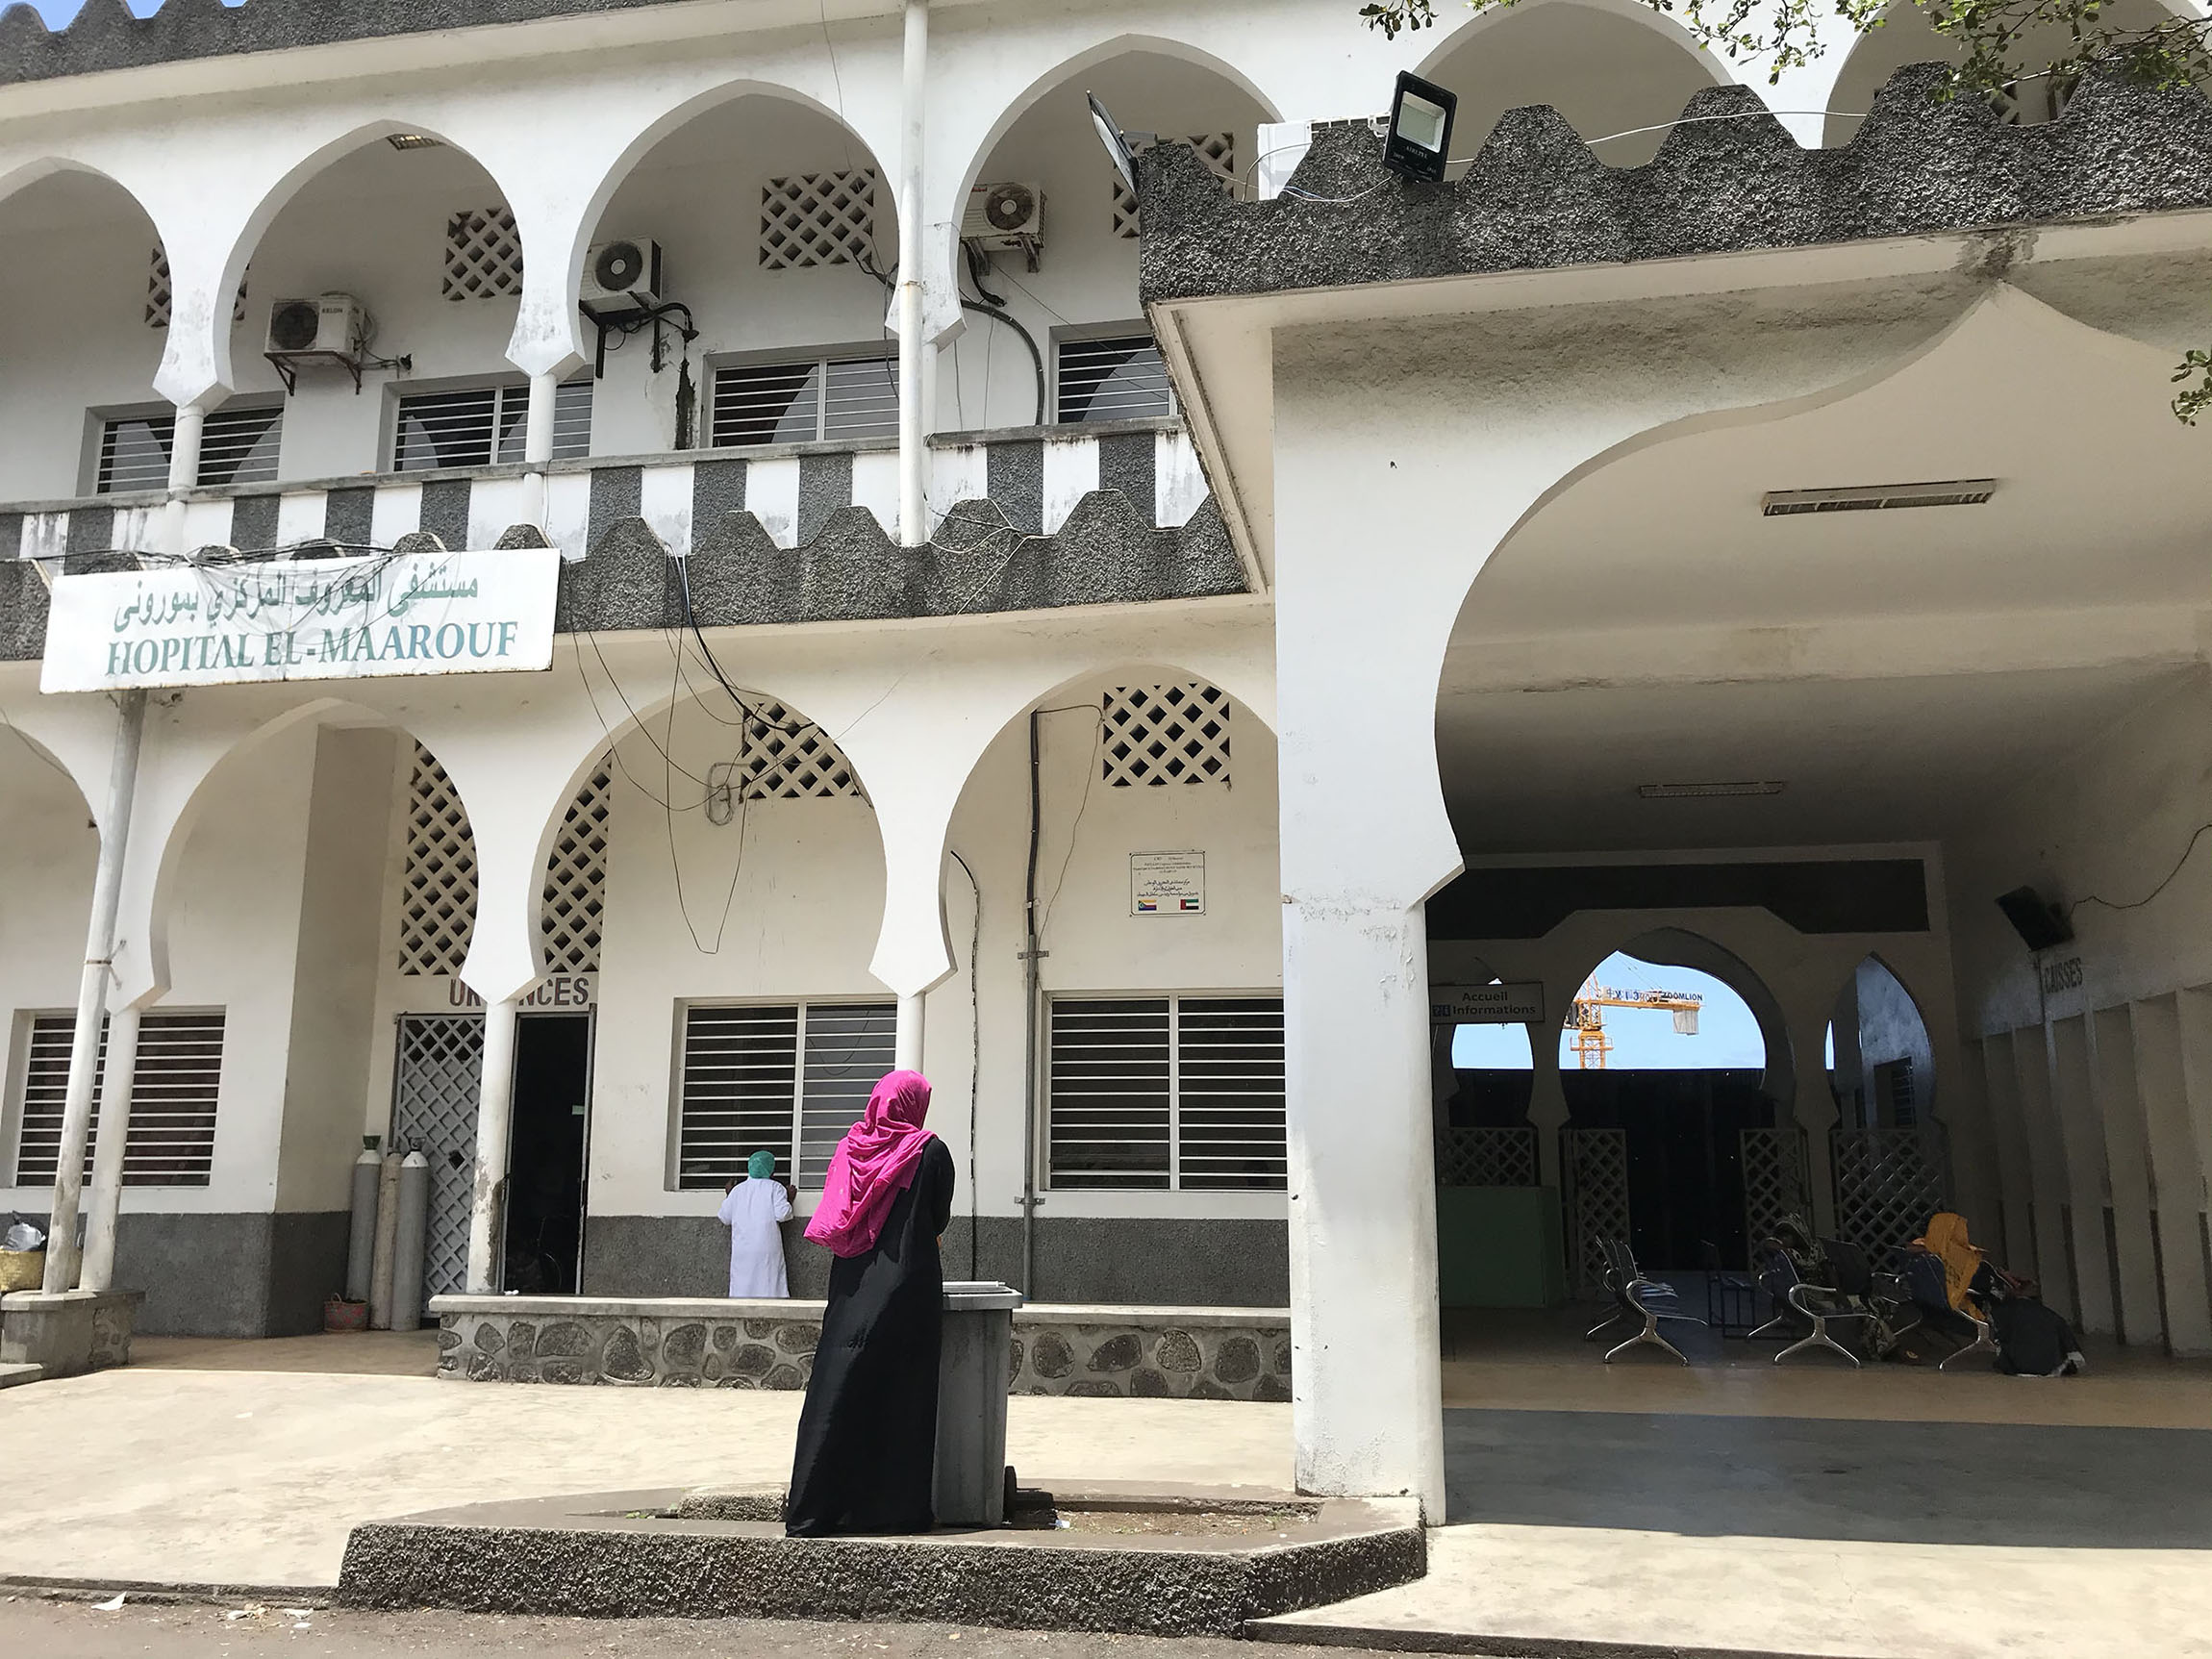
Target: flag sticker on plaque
<point>1167,884</point>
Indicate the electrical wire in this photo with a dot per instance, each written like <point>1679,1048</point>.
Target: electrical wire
<point>2101,903</point>
<point>1097,713</point>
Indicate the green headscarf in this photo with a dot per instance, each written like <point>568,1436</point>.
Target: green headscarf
<point>760,1166</point>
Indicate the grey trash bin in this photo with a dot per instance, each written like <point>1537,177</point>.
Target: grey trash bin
<point>972,1378</point>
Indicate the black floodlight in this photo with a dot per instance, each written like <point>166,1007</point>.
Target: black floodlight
<point>1419,128</point>
<point>1117,144</point>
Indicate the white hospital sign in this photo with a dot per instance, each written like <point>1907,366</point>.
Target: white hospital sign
<point>461,612</point>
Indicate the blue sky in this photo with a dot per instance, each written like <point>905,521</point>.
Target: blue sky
<point>1643,1039</point>
<point>58,11</point>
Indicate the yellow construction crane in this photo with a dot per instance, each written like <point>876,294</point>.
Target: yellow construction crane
<point>1590,1043</point>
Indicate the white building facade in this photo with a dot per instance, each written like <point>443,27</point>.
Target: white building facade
<point>1319,623</point>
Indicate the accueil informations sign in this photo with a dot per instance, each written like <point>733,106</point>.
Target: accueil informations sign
<point>459,612</point>
<point>1167,884</point>
<point>1499,1003</point>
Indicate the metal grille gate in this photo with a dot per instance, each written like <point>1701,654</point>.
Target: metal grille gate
<point>434,1089</point>
<point>1596,1164</point>
<point>1775,1185</point>
<point>1888,1183</point>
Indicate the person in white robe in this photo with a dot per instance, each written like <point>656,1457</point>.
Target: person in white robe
<point>753,1209</point>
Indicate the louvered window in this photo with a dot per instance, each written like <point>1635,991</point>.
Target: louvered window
<point>1169,1092</point>
<point>237,446</point>
<point>787,1078</point>
<point>485,423</point>
<point>173,1093</point>
<point>806,401</point>
<point>1116,379</point>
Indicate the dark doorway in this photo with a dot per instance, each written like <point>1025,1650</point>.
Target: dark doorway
<point>545,1153</point>
<point>1685,1159</point>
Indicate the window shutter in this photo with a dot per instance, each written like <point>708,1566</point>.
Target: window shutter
<point>1118,379</point>
<point>446,429</point>
<point>1110,1094</point>
<point>134,454</point>
<point>240,445</point>
<point>849,1048</point>
<point>1229,1080</point>
<point>173,1097</point>
<point>741,1071</point>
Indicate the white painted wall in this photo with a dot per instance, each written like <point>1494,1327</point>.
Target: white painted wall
<point>372,224</point>
<point>235,940</point>
<point>73,331</point>
<point>1095,946</point>
<point>276,160</point>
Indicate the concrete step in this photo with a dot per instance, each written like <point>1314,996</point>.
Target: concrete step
<point>11,1375</point>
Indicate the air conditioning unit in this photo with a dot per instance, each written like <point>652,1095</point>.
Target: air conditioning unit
<point>334,324</point>
<point>1005,217</point>
<point>622,275</point>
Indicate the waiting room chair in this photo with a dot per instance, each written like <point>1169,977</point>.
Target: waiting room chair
<point>1818,1303</point>
<point>1632,1300</point>
<point>1653,1291</point>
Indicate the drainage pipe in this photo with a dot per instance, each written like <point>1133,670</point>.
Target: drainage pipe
<point>1030,990</point>
<point>913,513</point>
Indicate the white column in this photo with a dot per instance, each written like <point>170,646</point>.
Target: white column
<point>495,1118</point>
<point>1367,1409</point>
<point>2072,1101</point>
<point>2015,1242</point>
<point>537,445</point>
<point>913,519</point>
<point>906,1048</point>
<point>108,1147</point>
<point>2162,1074</point>
<point>2047,1167</point>
<point>1814,1111</point>
<point>92,994</point>
<point>2118,1103</point>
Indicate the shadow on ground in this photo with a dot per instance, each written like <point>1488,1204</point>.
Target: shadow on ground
<point>1800,1477</point>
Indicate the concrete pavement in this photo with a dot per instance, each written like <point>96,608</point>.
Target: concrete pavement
<point>248,1463</point>
<point>1732,1507</point>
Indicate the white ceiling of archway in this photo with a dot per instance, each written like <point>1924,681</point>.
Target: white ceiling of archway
<point>1897,669</point>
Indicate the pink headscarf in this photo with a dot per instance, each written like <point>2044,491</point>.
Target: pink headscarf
<point>874,1163</point>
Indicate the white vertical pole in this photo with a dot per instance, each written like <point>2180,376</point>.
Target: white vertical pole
<point>537,445</point>
<point>109,1144</point>
<point>913,515</point>
<point>183,473</point>
<point>906,1047</point>
<point>495,1118</point>
<point>92,994</point>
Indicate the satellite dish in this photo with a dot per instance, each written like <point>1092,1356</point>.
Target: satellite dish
<point>1117,146</point>
<point>620,265</point>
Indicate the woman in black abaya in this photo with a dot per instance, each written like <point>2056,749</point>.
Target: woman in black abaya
<point>867,1447</point>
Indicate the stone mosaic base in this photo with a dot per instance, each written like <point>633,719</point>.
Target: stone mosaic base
<point>1200,1361</point>
<point>638,1351</point>
<point>1149,1353</point>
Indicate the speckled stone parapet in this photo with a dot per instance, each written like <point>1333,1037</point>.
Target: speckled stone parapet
<point>1149,1353</point>
<point>1536,197</point>
<point>850,571</point>
<point>736,574</point>
<point>628,1555</point>
<point>105,36</point>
